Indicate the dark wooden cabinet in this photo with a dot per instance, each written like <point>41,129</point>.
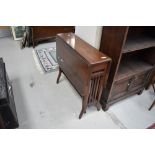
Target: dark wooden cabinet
<point>132,50</point>
<point>44,33</point>
<point>84,66</point>
<point>8,115</point>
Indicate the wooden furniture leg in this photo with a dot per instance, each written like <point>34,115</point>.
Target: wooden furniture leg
<point>105,107</point>
<point>140,92</point>
<point>153,104</point>
<point>60,71</point>
<point>98,106</point>
<point>33,43</point>
<point>153,87</point>
<point>84,106</point>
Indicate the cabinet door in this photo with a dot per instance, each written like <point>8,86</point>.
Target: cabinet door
<point>139,80</point>
<point>121,88</point>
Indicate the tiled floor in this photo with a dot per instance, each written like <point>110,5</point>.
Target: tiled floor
<point>48,105</point>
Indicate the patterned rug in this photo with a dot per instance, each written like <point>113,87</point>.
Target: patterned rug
<point>45,59</point>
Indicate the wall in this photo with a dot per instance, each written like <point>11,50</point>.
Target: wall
<point>5,31</point>
<point>91,34</point>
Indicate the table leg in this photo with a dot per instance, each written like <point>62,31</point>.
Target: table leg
<point>153,87</point>
<point>33,43</point>
<point>84,106</point>
<point>98,106</point>
<point>60,71</point>
<point>153,104</point>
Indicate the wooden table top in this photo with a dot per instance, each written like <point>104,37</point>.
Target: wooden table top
<point>88,52</point>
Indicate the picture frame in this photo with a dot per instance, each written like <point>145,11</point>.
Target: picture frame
<point>18,32</point>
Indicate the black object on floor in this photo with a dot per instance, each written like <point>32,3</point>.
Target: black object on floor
<point>8,115</point>
<point>153,86</point>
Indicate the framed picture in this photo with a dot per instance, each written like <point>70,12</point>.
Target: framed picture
<point>18,32</point>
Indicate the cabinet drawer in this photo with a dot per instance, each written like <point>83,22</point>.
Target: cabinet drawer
<point>99,67</point>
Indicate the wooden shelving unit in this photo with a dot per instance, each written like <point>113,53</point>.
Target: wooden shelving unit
<point>130,67</point>
<point>132,50</point>
<point>138,43</point>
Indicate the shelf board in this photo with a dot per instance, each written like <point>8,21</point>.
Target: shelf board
<point>130,67</point>
<point>138,43</point>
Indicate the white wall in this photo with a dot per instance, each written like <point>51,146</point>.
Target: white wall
<point>91,34</point>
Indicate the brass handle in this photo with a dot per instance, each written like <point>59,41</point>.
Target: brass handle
<point>129,84</point>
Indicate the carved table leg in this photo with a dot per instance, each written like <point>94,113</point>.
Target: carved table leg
<point>84,106</point>
<point>60,71</point>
